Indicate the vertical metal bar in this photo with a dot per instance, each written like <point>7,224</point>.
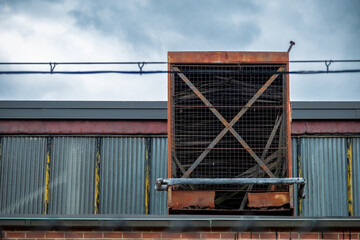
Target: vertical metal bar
<point>97,175</point>
<point>171,116</point>
<point>287,127</point>
<point>47,174</point>
<point>288,116</point>
<point>349,176</point>
<point>298,158</point>
<point>171,120</point>
<point>148,174</point>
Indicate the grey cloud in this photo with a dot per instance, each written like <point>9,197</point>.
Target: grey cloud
<point>322,29</point>
<point>202,24</point>
<point>41,8</point>
<point>23,87</point>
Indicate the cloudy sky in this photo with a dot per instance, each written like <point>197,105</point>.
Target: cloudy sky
<point>145,30</point>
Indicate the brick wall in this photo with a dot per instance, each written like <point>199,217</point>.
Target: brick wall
<point>160,234</point>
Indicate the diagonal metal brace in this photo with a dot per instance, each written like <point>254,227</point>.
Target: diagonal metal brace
<point>228,126</point>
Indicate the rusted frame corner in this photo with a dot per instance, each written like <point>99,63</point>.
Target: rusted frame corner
<point>228,126</point>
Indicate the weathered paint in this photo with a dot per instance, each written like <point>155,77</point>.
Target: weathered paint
<point>349,176</point>
<point>81,127</point>
<point>192,200</point>
<point>323,166</point>
<point>47,175</point>
<point>324,127</point>
<point>228,57</point>
<point>8,127</point>
<point>268,199</point>
<point>97,175</point>
<point>147,179</point>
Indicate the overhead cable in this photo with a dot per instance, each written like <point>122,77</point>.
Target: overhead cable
<point>162,72</point>
<point>160,62</point>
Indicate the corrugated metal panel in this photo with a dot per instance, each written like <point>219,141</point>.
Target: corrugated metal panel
<point>122,176</point>
<point>356,175</point>
<point>324,168</point>
<point>72,176</point>
<point>294,172</point>
<point>158,199</point>
<point>122,189</point>
<point>22,175</point>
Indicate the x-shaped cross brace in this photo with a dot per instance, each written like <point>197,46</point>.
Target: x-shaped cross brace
<point>228,126</point>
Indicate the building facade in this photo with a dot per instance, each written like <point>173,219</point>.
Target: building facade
<point>96,163</point>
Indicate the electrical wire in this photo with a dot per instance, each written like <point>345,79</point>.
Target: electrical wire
<point>160,62</point>
<point>79,63</point>
<point>142,64</point>
<point>161,72</point>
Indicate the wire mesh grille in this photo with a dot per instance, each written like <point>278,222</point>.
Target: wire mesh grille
<point>228,88</point>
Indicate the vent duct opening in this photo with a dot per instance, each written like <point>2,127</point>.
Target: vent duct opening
<point>228,119</point>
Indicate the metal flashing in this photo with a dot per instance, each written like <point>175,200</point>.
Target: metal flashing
<point>329,110</point>
<point>82,110</point>
<point>151,110</point>
<point>179,222</point>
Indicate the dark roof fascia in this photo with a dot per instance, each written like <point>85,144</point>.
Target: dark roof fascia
<point>153,110</point>
<point>329,110</point>
<point>84,110</point>
<point>188,222</point>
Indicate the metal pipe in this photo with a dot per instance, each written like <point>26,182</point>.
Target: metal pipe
<point>162,183</point>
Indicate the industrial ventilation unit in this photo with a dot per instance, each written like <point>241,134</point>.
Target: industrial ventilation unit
<point>229,134</point>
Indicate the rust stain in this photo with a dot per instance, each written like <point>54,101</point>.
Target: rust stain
<point>228,57</point>
<point>299,127</point>
<point>269,199</point>
<point>192,200</point>
<point>82,127</point>
<point>181,200</point>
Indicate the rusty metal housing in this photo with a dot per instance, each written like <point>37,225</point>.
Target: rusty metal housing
<point>229,117</point>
